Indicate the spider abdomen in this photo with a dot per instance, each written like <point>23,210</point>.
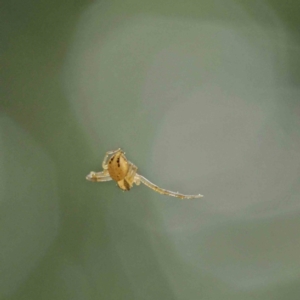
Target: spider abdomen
<point>118,166</point>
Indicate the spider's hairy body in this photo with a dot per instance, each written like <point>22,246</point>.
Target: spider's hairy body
<point>116,167</point>
<point>121,170</point>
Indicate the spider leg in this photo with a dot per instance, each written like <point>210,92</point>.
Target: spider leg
<point>137,179</point>
<point>130,177</point>
<point>99,176</point>
<point>140,178</point>
<point>106,157</point>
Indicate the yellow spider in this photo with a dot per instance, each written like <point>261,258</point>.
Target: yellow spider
<point>117,167</point>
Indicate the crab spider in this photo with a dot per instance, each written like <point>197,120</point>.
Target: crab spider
<point>116,167</point>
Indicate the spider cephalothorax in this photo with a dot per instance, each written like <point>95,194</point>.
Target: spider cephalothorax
<point>116,167</point>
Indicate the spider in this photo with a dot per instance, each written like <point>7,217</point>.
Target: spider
<point>116,167</point>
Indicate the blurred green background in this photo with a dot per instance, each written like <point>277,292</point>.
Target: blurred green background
<point>204,98</point>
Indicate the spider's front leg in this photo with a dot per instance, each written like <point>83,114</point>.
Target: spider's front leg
<point>140,178</point>
<point>99,176</point>
<point>107,156</point>
<point>130,177</point>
